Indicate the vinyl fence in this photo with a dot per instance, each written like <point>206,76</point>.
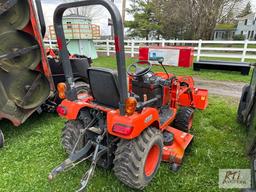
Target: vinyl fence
<point>238,50</point>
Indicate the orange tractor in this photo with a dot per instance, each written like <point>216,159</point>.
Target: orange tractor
<point>130,126</point>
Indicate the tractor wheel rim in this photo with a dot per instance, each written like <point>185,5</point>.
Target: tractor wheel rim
<point>152,160</point>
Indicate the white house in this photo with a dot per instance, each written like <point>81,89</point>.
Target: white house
<point>247,26</point>
<point>224,32</point>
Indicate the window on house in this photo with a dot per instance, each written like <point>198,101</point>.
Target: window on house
<point>245,22</point>
<point>69,25</point>
<point>216,34</point>
<point>242,32</point>
<point>233,34</point>
<point>252,34</point>
<point>248,35</point>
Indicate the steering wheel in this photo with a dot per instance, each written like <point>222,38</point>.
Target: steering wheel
<point>139,71</point>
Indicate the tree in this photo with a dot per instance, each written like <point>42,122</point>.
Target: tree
<point>206,14</point>
<point>192,19</point>
<point>173,16</point>
<point>247,10</point>
<point>145,23</point>
<point>229,18</point>
<point>183,19</point>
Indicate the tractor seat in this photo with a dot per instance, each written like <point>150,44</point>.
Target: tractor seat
<point>104,86</point>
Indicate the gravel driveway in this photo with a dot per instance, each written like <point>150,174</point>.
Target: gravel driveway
<point>224,88</point>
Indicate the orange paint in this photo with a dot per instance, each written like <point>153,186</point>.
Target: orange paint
<point>174,153</point>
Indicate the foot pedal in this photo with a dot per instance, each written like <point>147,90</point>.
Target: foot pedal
<point>95,130</point>
<point>165,114</point>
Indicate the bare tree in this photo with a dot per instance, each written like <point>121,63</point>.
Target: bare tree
<point>94,13</point>
<point>193,19</point>
<point>246,10</point>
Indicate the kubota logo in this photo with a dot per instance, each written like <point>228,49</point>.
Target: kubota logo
<point>148,119</point>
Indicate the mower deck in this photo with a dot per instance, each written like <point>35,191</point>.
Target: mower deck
<point>175,152</point>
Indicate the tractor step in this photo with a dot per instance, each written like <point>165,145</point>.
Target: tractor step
<point>165,114</point>
<point>175,152</point>
<point>95,130</point>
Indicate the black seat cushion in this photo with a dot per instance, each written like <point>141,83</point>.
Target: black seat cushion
<point>104,86</point>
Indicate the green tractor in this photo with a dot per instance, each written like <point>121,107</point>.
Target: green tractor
<point>246,115</point>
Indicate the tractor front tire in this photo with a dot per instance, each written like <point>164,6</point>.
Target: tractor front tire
<point>137,161</point>
<point>1,139</point>
<point>70,134</point>
<point>184,119</point>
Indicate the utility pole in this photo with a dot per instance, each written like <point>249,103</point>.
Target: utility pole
<point>112,27</point>
<point>123,17</point>
<point>123,9</point>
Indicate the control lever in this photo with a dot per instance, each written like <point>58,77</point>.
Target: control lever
<point>141,105</point>
<point>160,61</point>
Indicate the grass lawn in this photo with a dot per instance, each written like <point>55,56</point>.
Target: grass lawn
<point>203,74</point>
<point>33,149</point>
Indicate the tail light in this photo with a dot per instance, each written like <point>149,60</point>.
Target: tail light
<point>61,110</point>
<point>130,106</point>
<point>122,129</point>
<point>61,87</point>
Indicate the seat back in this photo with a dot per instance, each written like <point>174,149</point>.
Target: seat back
<point>104,86</point>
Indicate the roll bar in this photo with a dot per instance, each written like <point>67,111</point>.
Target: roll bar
<point>119,47</point>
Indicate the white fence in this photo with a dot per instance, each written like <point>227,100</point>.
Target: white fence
<point>241,50</point>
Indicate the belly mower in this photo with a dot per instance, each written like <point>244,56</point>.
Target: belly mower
<point>130,124</point>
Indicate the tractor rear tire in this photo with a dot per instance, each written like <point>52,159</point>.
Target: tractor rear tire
<point>242,104</point>
<point>82,87</point>
<point>70,134</point>
<point>184,119</point>
<point>71,131</point>
<point>1,139</point>
<point>137,161</point>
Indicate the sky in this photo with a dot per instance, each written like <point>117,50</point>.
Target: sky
<point>50,5</point>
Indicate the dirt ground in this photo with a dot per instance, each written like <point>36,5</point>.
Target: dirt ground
<point>223,88</point>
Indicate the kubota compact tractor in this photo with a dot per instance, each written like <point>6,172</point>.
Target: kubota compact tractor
<point>28,79</point>
<point>132,128</point>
